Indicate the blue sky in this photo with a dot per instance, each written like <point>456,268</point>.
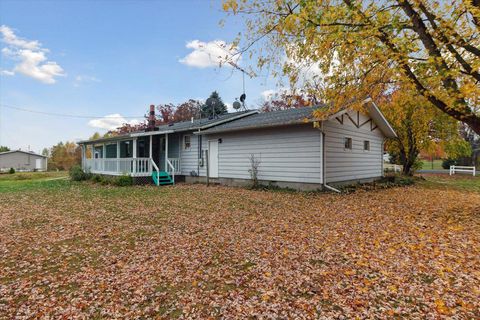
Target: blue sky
<point>98,58</point>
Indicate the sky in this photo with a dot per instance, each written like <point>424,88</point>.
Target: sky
<point>111,60</point>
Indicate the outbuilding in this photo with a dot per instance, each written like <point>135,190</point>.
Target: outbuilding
<point>22,161</point>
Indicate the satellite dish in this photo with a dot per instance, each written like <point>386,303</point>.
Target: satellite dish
<point>237,105</point>
<point>243,97</point>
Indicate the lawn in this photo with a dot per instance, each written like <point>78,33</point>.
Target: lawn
<point>427,165</point>
<point>22,181</point>
<point>191,251</point>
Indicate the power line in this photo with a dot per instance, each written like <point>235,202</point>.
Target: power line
<point>65,114</point>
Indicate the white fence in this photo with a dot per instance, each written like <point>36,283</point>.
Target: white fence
<point>388,167</point>
<point>134,167</point>
<point>454,169</point>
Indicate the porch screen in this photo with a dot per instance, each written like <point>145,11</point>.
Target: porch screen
<point>126,149</point>
<point>143,145</point>
<point>111,150</point>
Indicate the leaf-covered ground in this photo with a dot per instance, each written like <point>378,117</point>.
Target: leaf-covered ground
<point>86,251</point>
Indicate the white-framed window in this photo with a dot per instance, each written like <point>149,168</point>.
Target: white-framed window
<point>347,143</point>
<point>366,145</point>
<point>187,142</point>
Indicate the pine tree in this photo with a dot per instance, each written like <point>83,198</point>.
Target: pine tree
<point>214,106</point>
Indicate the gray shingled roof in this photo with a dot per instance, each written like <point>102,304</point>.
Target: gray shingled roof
<point>199,123</point>
<point>267,119</point>
<point>181,126</point>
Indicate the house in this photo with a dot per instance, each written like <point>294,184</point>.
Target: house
<point>22,161</point>
<point>292,147</point>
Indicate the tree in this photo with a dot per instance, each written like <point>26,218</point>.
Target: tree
<point>4,149</point>
<point>286,101</point>
<point>419,126</point>
<point>167,113</point>
<point>187,110</point>
<point>358,47</point>
<point>95,136</point>
<point>213,106</point>
<point>46,152</point>
<point>63,156</point>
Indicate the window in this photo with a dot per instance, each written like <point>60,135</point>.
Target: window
<point>366,145</point>
<point>186,142</point>
<point>347,143</point>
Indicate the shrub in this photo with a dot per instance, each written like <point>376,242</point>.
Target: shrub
<point>97,178</point>
<point>446,163</point>
<point>254,164</point>
<point>402,180</point>
<point>123,181</point>
<point>77,174</point>
<point>11,171</point>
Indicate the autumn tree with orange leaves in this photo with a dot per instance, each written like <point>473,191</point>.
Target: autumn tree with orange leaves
<point>419,126</point>
<point>359,47</point>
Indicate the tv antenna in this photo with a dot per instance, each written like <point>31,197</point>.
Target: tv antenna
<point>243,96</point>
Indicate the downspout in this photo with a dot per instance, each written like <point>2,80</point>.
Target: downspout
<point>199,153</point>
<point>324,182</point>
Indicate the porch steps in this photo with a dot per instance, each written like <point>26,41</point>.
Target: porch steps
<point>163,178</point>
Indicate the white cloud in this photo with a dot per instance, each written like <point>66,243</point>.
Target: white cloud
<point>10,38</point>
<point>210,54</point>
<point>270,94</point>
<point>7,73</point>
<point>30,56</point>
<point>111,121</point>
<point>84,79</point>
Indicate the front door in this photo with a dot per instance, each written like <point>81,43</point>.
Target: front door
<point>213,158</point>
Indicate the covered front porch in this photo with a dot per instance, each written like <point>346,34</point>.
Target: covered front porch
<point>137,155</point>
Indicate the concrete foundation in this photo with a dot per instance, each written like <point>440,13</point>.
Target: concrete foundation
<point>246,183</point>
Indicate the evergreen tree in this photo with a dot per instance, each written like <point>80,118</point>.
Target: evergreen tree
<point>214,104</point>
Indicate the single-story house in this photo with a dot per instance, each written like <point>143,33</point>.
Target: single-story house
<point>291,147</point>
<point>22,161</point>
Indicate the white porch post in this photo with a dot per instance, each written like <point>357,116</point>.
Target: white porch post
<point>166,152</point>
<point>150,166</point>
<point>104,156</point>
<point>134,155</point>
<point>118,156</point>
<point>150,148</point>
<point>83,157</point>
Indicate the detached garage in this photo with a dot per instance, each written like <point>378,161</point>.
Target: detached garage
<point>22,161</point>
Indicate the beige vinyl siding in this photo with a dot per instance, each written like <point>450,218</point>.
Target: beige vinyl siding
<point>291,154</point>
<point>344,164</point>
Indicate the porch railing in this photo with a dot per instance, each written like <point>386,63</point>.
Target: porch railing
<point>174,165</point>
<point>129,166</point>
